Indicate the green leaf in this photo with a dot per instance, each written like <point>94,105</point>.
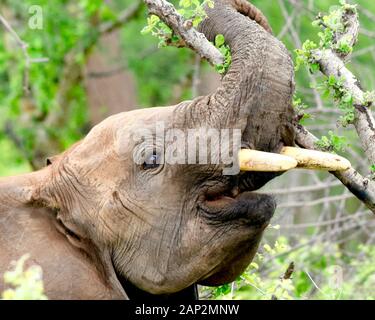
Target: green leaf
<point>219,40</point>
<point>220,68</point>
<point>267,247</point>
<point>210,3</point>
<point>146,29</point>
<point>152,20</point>
<point>347,98</point>
<point>331,80</point>
<point>314,67</point>
<point>185,3</point>
<point>254,265</point>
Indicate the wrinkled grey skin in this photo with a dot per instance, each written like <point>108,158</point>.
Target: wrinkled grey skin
<point>95,220</point>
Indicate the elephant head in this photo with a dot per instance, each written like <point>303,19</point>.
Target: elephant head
<point>162,226</point>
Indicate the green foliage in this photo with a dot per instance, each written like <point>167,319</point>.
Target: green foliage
<point>26,284</point>
<point>323,271</point>
<point>332,143</point>
<point>225,51</point>
<point>191,10</point>
<point>160,30</point>
<point>164,69</point>
<point>331,24</point>
<point>341,96</point>
<point>304,56</point>
<point>369,98</point>
<point>300,108</point>
<point>335,23</point>
<point>194,10</point>
<point>344,45</point>
<point>73,24</point>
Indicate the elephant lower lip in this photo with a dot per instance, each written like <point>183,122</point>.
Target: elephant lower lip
<point>236,200</point>
<point>134,293</point>
<point>253,209</point>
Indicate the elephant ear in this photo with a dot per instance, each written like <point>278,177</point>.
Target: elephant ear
<point>53,159</point>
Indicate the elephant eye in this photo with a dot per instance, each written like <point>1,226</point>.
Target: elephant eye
<point>152,162</point>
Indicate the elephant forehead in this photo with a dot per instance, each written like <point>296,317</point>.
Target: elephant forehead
<point>133,127</point>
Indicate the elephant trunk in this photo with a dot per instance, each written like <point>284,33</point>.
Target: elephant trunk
<point>256,92</point>
<point>255,95</point>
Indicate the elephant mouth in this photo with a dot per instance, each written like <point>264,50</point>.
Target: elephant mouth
<point>233,198</point>
<point>236,201</point>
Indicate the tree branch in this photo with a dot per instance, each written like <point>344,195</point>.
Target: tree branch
<point>333,63</point>
<point>362,188</point>
<point>193,39</point>
<point>364,122</point>
<point>24,47</point>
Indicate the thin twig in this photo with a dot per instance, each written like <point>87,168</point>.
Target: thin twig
<point>304,189</point>
<point>313,282</point>
<point>304,204</point>
<point>324,223</point>
<point>24,46</point>
<point>192,38</point>
<point>362,188</point>
<point>298,43</point>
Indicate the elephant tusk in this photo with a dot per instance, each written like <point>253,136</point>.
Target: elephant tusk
<point>312,159</point>
<point>253,160</point>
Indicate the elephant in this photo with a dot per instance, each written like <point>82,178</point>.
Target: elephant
<point>107,219</point>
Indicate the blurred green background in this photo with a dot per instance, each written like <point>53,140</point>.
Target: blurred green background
<point>88,60</point>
